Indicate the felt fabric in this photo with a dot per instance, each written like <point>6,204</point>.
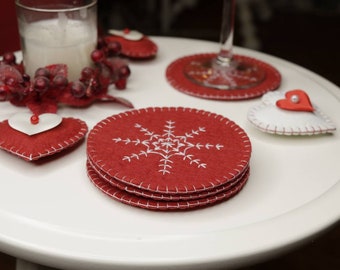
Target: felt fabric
<point>295,100</point>
<point>164,196</point>
<point>68,133</point>
<point>169,150</point>
<point>182,83</point>
<point>151,204</point>
<point>143,48</point>
<point>269,117</point>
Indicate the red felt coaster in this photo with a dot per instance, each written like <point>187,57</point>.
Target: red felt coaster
<point>165,196</point>
<point>151,204</point>
<point>143,48</point>
<point>179,81</point>
<point>69,132</point>
<point>169,150</point>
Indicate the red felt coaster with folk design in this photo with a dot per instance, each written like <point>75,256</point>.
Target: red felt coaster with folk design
<point>177,78</point>
<point>161,205</point>
<point>170,150</point>
<point>165,196</point>
<point>36,146</point>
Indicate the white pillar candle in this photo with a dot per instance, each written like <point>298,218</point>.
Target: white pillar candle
<point>58,41</point>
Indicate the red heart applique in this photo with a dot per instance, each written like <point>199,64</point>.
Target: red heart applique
<point>296,100</point>
<point>68,133</point>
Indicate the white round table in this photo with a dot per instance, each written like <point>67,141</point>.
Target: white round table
<point>51,214</point>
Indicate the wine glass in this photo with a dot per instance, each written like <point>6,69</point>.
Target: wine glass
<point>225,71</point>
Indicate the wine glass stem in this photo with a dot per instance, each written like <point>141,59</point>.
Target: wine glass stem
<point>227,33</point>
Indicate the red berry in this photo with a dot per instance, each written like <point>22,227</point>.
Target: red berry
<point>34,119</point>
<point>101,43</point>
<point>124,72</point>
<point>7,72</point>
<point>41,84</point>
<point>11,82</point>
<point>87,73</point>
<point>60,81</point>
<point>113,48</point>
<point>5,92</point>
<point>121,84</point>
<point>78,89</point>
<point>26,77</point>
<point>9,58</point>
<point>97,56</point>
<point>42,72</point>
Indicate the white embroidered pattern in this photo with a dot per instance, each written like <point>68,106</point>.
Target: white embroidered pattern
<point>168,145</point>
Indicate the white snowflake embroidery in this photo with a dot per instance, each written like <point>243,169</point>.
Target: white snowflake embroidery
<point>168,145</point>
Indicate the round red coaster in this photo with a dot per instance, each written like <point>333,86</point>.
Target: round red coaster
<point>144,48</point>
<point>151,204</point>
<point>179,81</point>
<point>169,150</point>
<point>165,196</point>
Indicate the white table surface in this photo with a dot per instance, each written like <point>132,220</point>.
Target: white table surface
<point>53,215</point>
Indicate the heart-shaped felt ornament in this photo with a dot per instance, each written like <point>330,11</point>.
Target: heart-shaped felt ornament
<point>50,141</point>
<point>289,113</point>
<point>135,45</point>
<point>295,100</point>
<point>127,34</point>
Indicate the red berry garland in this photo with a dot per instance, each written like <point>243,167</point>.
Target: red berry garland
<point>50,86</point>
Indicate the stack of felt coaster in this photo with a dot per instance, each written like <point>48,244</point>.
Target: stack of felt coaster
<point>169,158</point>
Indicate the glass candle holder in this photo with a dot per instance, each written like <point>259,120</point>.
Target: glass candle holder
<point>57,32</point>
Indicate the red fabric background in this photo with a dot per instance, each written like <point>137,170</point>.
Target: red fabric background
<point>8,27</point>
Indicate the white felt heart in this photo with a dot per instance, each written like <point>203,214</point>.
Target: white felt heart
<point>127,34</point>
<point>22,122</point>
<point>271,119</point>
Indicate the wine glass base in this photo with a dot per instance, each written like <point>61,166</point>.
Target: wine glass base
<point>238,74</point>
<point>179,81</point>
